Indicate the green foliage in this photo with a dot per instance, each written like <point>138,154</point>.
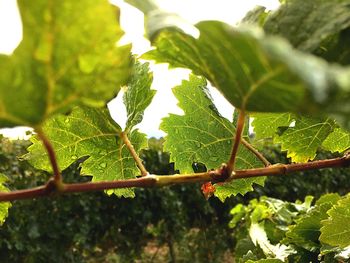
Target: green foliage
<point>69,63</point>
<point>67,58</point>
<point>138,95</point>
<point>337,141</point>
<point>335,229</point>
<point>274,78</point>
<point>4,206</point>
<point>92,132</point>
<point>266,124</point>
<point>94,233</point>
<point>108,227</point>
<point>303,140</point>
<point>287,231</point>
<point>306,231</point>
<point>206,137</point>
<point>320,27</point>
<point>308,24</point>
<point>254,71</point>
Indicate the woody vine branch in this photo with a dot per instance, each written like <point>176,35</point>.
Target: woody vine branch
<point>225,173</point>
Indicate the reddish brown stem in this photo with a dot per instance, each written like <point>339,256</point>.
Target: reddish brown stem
<point>52,156</point>
<point>164,180</point>
<point>256,152</point>
<point>237,140</point>
<point>282,169</point>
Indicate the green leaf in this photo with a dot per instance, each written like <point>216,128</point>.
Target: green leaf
<point>335,230</point>
<point>245,250</point>
<point>306,231</point>
<point>337,141</point>
<point>4,206</point>
<point>259,237</point>
<point>255,16</point>
<point>90,132</point>
<point>303,140</point>
<point>202,135</point>
<point>306,24</point>
<point>138,95</point>
<point>238,213</point>
<point>335,48</point>
<point>68,57</point>
<point>328,198</point>
<point>266,124</point>
<point>253,71</point>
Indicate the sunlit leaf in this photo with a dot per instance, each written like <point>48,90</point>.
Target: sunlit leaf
<point>335,230</point>
<point>259,237</point>
<point>90,132</point>
<point>202,135</point>
<point>68,56</point>
<point>266,124</point>
<point>138,94</point>
<point>302,141</point>
<point>337,141</point>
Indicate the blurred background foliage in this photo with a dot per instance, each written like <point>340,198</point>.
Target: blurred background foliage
<point>173,224</point>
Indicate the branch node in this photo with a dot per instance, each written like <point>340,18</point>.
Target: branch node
<point>221,174</point>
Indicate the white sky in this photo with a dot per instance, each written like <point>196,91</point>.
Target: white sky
<point>229,11</point>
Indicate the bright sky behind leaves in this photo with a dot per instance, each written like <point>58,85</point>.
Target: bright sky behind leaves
<point>229,11</point>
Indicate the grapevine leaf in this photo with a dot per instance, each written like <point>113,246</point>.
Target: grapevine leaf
<point>335,48</point>
<point>337,141</point>
<point>138,95</point>
<point>4,206</point>
<point>328,198</point>
<point>68,56</point>
<point>306,24</point>
<point>259,237</point>
<point>254,71</point>
<point>90,132</point>
<point>203,135</point>
<point>335,230</point>
<point>266,124</point>
<point>255,16</point>
<point>303,140</point>
<point>306,231</point>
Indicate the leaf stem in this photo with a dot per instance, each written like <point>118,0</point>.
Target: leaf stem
<point>164,180</point>
<point>256,152</point>
<point>133,153</point>
<point>52,156</point>
<point>237,140</point>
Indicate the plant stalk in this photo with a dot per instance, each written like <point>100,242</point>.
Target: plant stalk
<point>52,156</point>
<point>165,180</point>
<point>134,154</point>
